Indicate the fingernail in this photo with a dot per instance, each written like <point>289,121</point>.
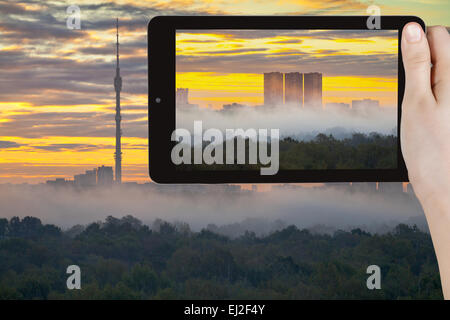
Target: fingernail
<point>413,33</point>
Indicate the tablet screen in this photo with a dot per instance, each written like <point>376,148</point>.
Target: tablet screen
<point>321,99</point>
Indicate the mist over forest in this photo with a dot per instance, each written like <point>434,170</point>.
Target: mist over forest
<point>225,209</point>
<point>294,122</point>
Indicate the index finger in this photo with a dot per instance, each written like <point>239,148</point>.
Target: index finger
<point>439,41</point>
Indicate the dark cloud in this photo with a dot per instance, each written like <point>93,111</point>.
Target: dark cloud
<point>329,51</point>
<point>317,34</point>
<point>233,51</point>
<point>131,108</point>
<point>349,65</point>
<point>333,62</point>
<point>73,124</point>
<point>287,41</point>
<point>288,52</point>
<point>66,81</point>
<point>73,146</point>
<point>9,144</point>
<point>11,8</point>
<point>33,72</point>
<point>126,48</point>
<point>104,50</point>
<point>51,22</point>
<point>129,146</point>
<point>198,41</point>
<point>27,31</point>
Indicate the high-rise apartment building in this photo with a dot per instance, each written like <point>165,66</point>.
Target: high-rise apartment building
<point>87,179</point>
<point>293,88</point>
<point>313,89</point>
<point>105,176</point>
<point>181,97</point>
<point>273,88</point>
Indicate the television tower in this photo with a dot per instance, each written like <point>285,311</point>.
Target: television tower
<point>118,88</point>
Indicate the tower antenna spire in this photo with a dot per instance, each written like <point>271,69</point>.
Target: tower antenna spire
<point>117,40</point>
<point>118,88</point>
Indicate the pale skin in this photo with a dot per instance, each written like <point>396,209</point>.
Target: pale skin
<point>425,132</point>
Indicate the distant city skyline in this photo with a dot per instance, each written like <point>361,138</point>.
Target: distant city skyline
<point>288,89</point>
<point>182,100</point>
<point>101,176</point>
<point>233,66</point>
<point>280,95</point>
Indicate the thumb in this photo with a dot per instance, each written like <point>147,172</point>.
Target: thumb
<point>417,61</point>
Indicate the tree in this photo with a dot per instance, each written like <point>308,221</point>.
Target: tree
<point>3,228</point>
<point>142,278</point>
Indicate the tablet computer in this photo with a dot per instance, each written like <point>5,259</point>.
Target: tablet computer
<point>275,99</point>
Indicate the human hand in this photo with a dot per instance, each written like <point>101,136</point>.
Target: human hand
<point>425,123</point>
<point>425,132</point>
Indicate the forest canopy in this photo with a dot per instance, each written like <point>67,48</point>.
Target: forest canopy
<point>125,259</point>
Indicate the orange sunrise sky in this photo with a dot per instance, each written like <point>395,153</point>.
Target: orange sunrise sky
<point>56,85</point>
<point>221,67</point>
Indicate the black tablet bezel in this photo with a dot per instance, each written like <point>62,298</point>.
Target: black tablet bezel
<point>161,85</point>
